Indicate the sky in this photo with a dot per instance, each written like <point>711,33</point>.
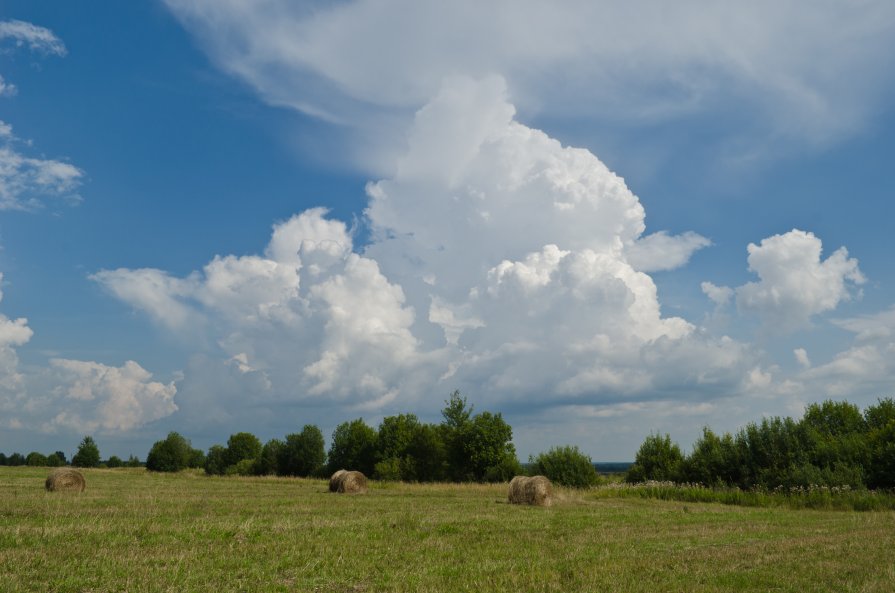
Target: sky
<point>600,219</point>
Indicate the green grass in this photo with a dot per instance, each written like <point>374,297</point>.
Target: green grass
<point>139,532</point>
<point>813,497</point>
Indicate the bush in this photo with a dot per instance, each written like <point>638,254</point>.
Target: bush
<point>245,467</point>
<point>215,464</point>
<point>657,459</point>
<point>388,469</point>
<point>567,466</point>
<point>36,459</point>
<point>172,454</point>
<point>53,460</point>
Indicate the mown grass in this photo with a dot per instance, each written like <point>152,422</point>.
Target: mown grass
<point>139,532</point>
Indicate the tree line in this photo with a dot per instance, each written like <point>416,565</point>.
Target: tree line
<point>87,455</point>
<point>465,446</point>
<point>833,444</point>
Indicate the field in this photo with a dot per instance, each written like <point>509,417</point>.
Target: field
<point>136,531</point>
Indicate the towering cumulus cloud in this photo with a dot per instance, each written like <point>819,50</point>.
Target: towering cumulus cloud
<point>499,263</point>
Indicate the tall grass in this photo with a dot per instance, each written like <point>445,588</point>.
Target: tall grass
<point>842,498</point>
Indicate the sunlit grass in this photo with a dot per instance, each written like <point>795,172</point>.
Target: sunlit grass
<point>811,497</point>
<point>138,532</point>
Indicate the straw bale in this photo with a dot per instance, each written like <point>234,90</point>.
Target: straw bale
<point>65,479</point>
<point>536,490</point>
<point>348,482</point>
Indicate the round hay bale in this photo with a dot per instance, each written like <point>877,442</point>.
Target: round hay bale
<point>335,479</point>
<point>348,482</point>
<point>536,491</point>
<point>65,479</point>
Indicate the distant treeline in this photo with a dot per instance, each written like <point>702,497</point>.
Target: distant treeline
<point>463,447</point>
<point>87,455</point>
<point>833,444</point>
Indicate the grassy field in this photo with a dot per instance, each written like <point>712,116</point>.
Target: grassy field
<point>136,531</point>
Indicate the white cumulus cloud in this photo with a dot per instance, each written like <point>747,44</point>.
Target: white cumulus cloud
<point>74,395</point>
<point>795,283</point>
<point>498,264</point>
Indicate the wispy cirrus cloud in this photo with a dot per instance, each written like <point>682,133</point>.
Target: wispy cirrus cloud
<point>795,73</point>
<point>35,38</point>
<point>26,182</point>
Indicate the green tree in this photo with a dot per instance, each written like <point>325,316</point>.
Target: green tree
<point>3,459</point>
<point>215,461</point>
<point>392,441</point>
<point>114,461</point>
<point>567,466</point>
<point>657,459</point>
<point>53,460</point>
<point>35,459</point>
<point>242,445</point>
<point>87,454</point>
<point>425,458</point>
<point>169,455</point>
<point>880,420</point>
<point>268,463</point>
<point>772,453</point>
<point>197,459</point>
<point>354,447</point>
<point>303,454</point>
<point>488,448</point>
<point>881,414</point>
<point>15,459</point>
<point>132,461</point>
<point>456,417</point>
<point>714,461</point>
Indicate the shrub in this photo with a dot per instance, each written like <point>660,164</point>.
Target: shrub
<point>567,466</point>
<point>36,459</point>
<point>657,459</point>
<point>388,469</point>
<point>170,455</point>
<point>53,460</point>
<point>215,465</point>
<point>244,467</point>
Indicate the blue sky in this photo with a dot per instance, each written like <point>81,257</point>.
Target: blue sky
<point>493,179</point>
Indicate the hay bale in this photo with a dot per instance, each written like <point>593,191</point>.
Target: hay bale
<point>65,479</point>
<point>348,482</point>
<point>536,491</point>
<point>335,479</point>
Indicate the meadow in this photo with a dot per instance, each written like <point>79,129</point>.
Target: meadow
<point>139,531</point>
